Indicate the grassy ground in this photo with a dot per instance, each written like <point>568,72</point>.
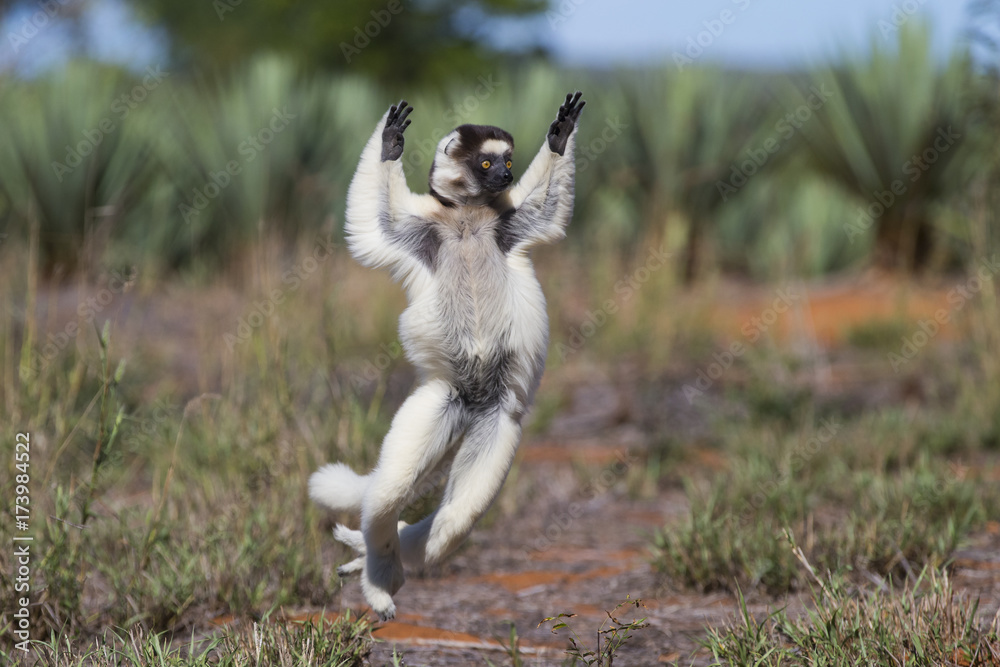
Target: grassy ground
<point>169,450</point>
<point>925,623</point>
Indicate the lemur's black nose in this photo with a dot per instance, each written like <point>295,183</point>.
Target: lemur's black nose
<point>508,177</point>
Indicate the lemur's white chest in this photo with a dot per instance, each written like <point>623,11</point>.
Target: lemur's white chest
<point>478,302</point>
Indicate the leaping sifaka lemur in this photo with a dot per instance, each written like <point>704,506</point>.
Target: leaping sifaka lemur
<point>476,329</point>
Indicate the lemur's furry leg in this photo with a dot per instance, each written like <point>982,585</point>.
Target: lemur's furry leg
<point>423,428</point>
<point>477,473</point>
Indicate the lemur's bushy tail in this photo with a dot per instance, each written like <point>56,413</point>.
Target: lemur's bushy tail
<point>338,487</point>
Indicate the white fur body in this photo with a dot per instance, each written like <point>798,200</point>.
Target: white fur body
<point>476,330</point>
<point>490,302</point>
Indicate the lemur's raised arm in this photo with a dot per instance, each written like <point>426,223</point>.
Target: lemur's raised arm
<point>542,201</point>
<point>386,224</point>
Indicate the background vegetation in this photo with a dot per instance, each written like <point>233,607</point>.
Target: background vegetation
<point>740,172</point>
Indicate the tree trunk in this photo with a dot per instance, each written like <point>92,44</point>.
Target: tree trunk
<point>692,252</point>
<point>903,243</point>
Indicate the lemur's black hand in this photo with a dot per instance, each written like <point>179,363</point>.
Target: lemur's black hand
<point>563,125</point>
<point>392,133</point>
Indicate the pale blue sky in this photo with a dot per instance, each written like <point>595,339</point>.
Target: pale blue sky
<point>754,33</point>
<point>761,33</point>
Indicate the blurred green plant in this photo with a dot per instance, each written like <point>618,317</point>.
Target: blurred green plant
<point>173,171</point>
<point>889,137</point>
<point>262,154</point>
<point>686,140</point>
<point>73,159</point>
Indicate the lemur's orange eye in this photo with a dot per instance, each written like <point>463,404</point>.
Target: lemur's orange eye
<point>486,164</point>
<point>509,164</point>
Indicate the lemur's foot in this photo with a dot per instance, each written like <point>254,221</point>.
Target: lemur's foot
<point>385,609</point>
<point>381,579</point>
<point>349,537</point>
<point>353,567</point>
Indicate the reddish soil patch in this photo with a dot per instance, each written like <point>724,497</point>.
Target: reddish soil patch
<point>566,452</point>
<point>599,555</point>
<point>521,581</point>
<point>396,631</point>
<point>827,313</point>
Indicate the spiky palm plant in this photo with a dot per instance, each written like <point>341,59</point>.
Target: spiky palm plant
<point>889,137</point>
<point>71,160</point>
<point>265,152</point>
<point>691,130</point>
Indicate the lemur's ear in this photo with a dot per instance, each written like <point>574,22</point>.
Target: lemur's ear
<point>448,145</point>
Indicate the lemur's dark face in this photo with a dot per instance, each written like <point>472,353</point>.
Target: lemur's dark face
<point>487,153</point>
<point>492,170</point>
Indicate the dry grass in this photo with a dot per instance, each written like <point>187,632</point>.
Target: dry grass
<point>925,623</point>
